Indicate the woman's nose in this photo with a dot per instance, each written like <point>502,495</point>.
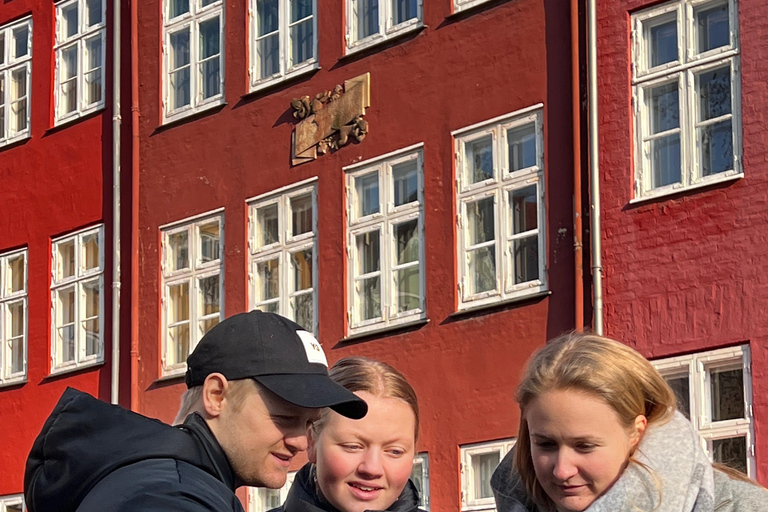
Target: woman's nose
<point>371,464</point>
<point>565,467</point>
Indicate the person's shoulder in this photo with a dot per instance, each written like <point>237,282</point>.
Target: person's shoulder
<point>281,508</point>
<point>156,485</point>
<point>733,495</point>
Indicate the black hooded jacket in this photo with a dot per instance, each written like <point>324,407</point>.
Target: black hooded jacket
<point>303,498</point>
<point>92,456</point>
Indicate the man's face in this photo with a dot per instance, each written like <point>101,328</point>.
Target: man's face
<point>261,435</point>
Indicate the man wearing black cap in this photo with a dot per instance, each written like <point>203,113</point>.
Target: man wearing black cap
<point>256,381</point>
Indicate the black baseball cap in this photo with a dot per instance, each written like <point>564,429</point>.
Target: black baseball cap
<point>278,354</point>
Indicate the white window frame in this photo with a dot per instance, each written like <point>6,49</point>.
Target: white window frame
<point>684,71</point>
<point>387,27</point>
<point>12,500</point>
<point>192,276</point>
<point>257,496</point>
<point>62,42</point>
<point>467,473</point>
<point>498,187</point>
<point>287,69</point>
<point>191,21</point>
<point>696,367</point>
<point>283,248</point>
<point>6,299</point>
<point>80,277</point>
<point>463,5</point>
<point>11,64</point>
<point>423,459</point>
<point>385,220</point>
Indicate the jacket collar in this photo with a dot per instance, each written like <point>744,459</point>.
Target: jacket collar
<point>198,427</point>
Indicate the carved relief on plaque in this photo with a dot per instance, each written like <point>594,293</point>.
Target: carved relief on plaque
<point>331,119</point>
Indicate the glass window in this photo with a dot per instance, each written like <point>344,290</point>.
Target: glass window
<point>15,80</point>
<point>384,224</point>
<point>13,316</point>
<point>478,462</point>
<point>372,21</point>
<point>282,255</point>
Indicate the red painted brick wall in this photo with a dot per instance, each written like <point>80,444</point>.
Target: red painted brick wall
<point>688,272</point>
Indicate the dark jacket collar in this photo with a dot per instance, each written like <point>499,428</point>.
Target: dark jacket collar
<point>198,427</point>
<point>302,497</point>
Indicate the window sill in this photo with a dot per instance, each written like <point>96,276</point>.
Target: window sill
<point>360,47</point>
<point>389,329</point>
<point>15,140</point>
<point>265,84</point>
<point>71,118</point>
<point>183,115</point>
<point>667,192</point>
<point>57,372</point>
<point>176,373</point>
<point>18,381</point>
<point>488,307</point>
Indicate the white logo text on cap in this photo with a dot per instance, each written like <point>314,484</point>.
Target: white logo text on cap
<point>313,349</point>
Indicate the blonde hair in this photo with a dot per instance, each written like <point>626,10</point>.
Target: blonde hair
<point>601,367</point>
<point>192,399</point>
<point>375,377</point>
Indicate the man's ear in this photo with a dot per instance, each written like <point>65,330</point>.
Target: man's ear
<point>214,391</point>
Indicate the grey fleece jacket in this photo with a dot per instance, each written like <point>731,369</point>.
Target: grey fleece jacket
<point>674,454</point>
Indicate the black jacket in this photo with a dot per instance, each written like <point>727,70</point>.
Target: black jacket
<point>303,498</point>
<point>92,456</point>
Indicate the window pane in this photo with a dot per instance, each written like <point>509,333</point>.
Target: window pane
<point>302,270</point>
<point>178,307</point>
<point>406,181</point>
<point>714,93</point>
<point>482,467</point>
<point>731,452</point>
<point>2,106</point>
<point>481,221</point>
<point>369,300</point>
<point>681,387</point>
<point>66,314</point>
<point>91,251</point>
<point>522,147</point>
<point>68,80</point>
<point>303,312</point>
<point>665,108</point>
<point>14,508</point>
<point>21,41</point>
<point>69,20</point>
<point>663,43</point>
<point>300,9</point>
<point>302,42</point>
<point>93,77</point>
<point>210,242</point>
<point>716,142</point>
<point>15,275</point>
<point>407,237</point>
<point>179,82</point>
<point>367,18</point>
<point>18,121</point>
<point>91,291</point>
<point>408,289</point>
<point>267,225</point>
<point>712,26</point>
<point>269,279</point>
<point>207,324</point>
<point>727,394</point>
<point>16,312</point>
<point>66,259</point>
<point>526,258</point>
<point>2,50</point>
<point>268,50</point>
<point>178,254</point>
<point>479,156</point>
<point>367,188</point>
<point>524,209</point>
<point>404,10</point>
<point>267,17</point>
<point>272,307</point>
<point>92,338</point>
<point>482,270</point>
<point>417,477</point>
<point>368,252</point>
<point>178,344</point>
<point>301,213</point>
<point>178,7</point>
<point>209,54</point>
<point>209,295</point>
<point>665,160</point>
<point>94,12</point>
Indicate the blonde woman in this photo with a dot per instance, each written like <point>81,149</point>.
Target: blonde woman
<point>362,465</point>
<point>599,432</point>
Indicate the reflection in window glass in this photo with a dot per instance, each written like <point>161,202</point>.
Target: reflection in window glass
<point>483,466</point>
